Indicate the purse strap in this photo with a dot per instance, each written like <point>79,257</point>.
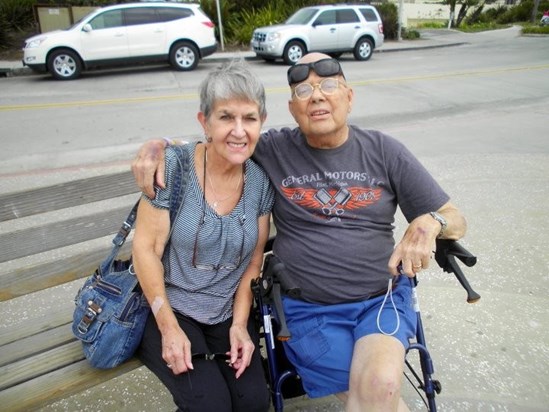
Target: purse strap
<point>176,198</point>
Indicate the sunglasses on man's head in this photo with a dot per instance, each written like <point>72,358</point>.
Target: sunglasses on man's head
<point>324,68</point>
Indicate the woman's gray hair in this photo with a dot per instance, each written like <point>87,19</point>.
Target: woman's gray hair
<point>232,80</point>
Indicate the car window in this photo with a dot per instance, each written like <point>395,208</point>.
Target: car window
<point>169,14</point>
<point>302,16</point>
<point>369,14</point>
<point>107,20</point>
<point>326,17</point>
<point>347,16</point>
<point>139,15</point>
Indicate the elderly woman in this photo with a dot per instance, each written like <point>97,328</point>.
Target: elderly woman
<point>199,339</point>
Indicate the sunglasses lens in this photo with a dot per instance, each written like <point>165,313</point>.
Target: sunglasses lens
<point>327,67</point>
<point>324,68</point>
<point>298,73</point>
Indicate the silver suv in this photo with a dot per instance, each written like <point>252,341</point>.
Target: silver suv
<point>331,29</point>
<point>180,34</point>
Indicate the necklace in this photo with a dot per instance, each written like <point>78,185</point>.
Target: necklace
<point>217,201</point>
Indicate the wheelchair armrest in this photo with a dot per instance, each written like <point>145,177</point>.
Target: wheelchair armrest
<point>446,254</point>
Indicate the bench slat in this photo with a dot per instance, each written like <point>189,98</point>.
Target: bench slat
<point>60,234</point>
<point>32,278</point>
<point>39,364</point>
<point>61,315</point>
<point>64,195</point>
<point>62,383</point>
<point>30,345</point>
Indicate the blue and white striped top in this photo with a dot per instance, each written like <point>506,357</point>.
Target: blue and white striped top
<point>206,292</point>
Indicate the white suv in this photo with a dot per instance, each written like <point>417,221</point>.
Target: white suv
<point>331,29</point>
<point>180,34</point>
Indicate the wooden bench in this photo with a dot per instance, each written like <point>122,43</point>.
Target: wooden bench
<point>40,360</point>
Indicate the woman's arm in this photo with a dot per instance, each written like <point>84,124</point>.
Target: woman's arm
<point>242,346</point>
<point>150,238</point>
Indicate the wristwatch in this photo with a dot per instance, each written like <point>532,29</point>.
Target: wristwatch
<point>443,223</point>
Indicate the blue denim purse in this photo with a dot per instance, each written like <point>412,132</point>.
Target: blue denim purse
<point>111,310</point>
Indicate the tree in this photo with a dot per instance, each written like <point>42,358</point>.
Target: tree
<point>534,16</point>
<point>465,6</point>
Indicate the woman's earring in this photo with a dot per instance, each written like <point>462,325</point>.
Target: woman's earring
<point>209,139</point>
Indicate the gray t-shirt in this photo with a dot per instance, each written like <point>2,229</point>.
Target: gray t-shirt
<point>205,291</point>
<point>334,209</point>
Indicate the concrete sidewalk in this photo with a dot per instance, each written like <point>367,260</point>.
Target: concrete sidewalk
<point>429,39</point>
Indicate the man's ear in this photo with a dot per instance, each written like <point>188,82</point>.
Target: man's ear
<point>291,107</point>
<point>351,97</point>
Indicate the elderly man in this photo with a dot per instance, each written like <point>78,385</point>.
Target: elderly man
<point>337,191</point>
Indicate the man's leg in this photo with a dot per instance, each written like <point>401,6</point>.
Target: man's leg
<point>376,375</point>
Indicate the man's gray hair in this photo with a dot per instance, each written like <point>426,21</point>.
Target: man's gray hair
<point>232,80</point>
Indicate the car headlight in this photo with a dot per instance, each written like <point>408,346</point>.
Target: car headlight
<point>35,43</point>
<point>273,36</point>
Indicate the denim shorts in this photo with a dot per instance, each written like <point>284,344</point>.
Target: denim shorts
<point>323,336</point>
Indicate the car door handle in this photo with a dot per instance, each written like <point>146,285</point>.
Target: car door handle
<point>119,35</point>
<point>333,30</point>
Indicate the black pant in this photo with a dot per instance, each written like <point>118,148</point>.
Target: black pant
<point>211,386</point>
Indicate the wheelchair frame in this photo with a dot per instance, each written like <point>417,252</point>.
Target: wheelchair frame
<point>284,381</point>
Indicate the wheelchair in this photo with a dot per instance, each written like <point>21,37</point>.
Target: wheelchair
<point>283,380</point>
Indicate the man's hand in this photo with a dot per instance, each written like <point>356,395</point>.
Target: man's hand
<point>242,349</point>
<point>415,250</point>
<point>148,166</point>
<point>417,247</point>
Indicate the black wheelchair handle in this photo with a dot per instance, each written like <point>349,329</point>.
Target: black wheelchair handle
<point>457,250</point>
<point>275,282</point>
<point>446,253</point>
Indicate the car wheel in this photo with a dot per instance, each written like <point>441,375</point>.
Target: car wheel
<point>184,56</point>
<point>363,49</point>
<point>64,64</point>
<point>293,51</point>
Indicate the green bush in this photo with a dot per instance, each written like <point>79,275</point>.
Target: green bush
<point>241,26</point>
<point>3,32</point>
<point>432,25</point>
<point>535,29</point>
<point>503,15</point>
<point>410,34</point>
<point>389,17</point>
<point>476,27</point>
<point>17,14</point>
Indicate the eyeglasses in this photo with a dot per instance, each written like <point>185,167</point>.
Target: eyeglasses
<point>212,356</point>
<point>327,86</point>
<point>231,265</point>
<point>324,68</point>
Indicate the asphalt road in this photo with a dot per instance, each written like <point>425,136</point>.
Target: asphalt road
<point>476,116</point>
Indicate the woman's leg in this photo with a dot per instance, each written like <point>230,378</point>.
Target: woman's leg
<point>249,393</point>
<point>204,389</point>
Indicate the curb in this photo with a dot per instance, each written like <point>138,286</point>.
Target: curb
<point>248,56</point>
<point>430,46</point>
